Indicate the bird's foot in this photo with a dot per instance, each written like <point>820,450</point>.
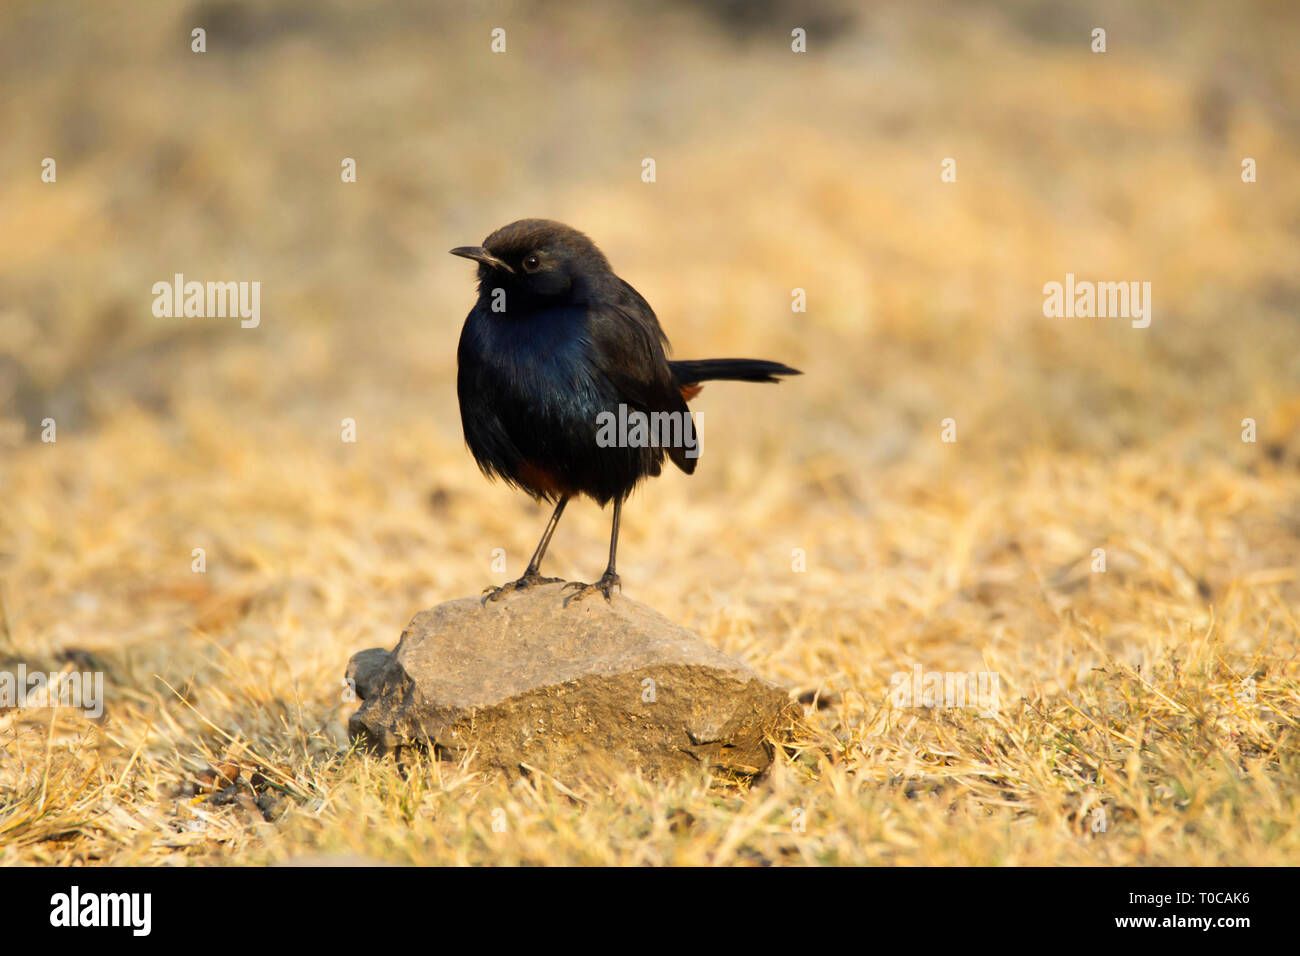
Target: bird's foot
<point>608,581</point>
<point>530,579</point>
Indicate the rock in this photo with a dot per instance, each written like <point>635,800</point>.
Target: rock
<point>529,684</point>
<point>365,669</point>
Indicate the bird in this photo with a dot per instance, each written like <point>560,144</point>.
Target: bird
<point>556,348</point>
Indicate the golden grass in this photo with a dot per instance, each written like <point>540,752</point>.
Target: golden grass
<point>1163,692</point>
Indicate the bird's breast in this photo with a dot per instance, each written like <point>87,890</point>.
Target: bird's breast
<point>540,362</point>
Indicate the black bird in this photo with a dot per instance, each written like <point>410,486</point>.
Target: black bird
<point>555,344</point>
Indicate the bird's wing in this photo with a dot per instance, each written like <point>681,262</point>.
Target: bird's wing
<point>629,346</point>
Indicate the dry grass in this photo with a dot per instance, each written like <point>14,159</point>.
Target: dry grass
<point>1164,691</point>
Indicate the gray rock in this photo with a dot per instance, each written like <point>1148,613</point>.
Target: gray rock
<point>528,684</point>
<point>365,668</point>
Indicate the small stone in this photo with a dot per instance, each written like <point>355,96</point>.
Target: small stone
<point>529,684</point>
<point>365,669</point>
<point>272,805</point>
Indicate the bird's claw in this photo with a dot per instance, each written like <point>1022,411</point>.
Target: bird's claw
<point>527,581</point>
<point>605,586</point>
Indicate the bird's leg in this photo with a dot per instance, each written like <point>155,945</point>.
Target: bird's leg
<point>533,573</point>
<point>609,579</point>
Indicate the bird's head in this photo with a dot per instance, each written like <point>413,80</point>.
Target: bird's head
<point>539,259</point>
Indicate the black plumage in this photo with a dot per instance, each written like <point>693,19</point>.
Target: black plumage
<point>555,340</point>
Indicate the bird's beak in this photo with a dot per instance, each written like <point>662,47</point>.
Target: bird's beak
<point>479,254</point>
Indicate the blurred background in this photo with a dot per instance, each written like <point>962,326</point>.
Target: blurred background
<point>775,171</point>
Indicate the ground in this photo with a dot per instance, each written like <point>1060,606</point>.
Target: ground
<point>1101,532</point>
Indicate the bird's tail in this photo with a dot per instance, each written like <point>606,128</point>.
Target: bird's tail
<point>692,372</point>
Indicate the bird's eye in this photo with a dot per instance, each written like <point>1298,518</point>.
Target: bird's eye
<point>532,264</point>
